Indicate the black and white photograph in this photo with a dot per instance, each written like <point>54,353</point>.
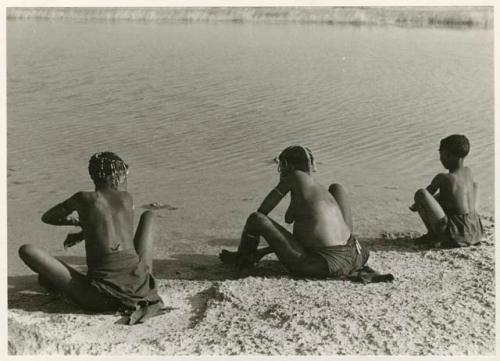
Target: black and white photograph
<point>249,180</point>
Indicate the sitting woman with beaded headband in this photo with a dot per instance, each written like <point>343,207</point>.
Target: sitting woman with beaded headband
<point>119,263</point>
<point>322,243</point>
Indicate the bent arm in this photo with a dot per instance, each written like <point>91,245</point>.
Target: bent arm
<point>59,215</point>
<point>432,188</point>
<point>435,184</point>
<point>275,196</point>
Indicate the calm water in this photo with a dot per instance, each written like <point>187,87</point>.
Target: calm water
<point>200,110</point>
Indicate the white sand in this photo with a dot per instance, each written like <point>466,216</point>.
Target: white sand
<point>442,303</point>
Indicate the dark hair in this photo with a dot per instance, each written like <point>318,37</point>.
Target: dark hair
<point>456,144</point>
<point>104,164</point>
<point>301,157</point>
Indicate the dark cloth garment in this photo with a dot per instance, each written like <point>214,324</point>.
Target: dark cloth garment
<point>344,259</point>
<point>462,230</point>
<point>349,261</point>
<point>125,278</point>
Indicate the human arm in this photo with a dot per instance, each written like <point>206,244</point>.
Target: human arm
<point>60,214</point>
<point>432,188</point>
<point>275,196</point>
<point>435,184</point>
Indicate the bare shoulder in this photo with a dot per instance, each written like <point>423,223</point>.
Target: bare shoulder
<point>464,174</point>
<point>300,176</point>
<point>85,197</point>
<point>468,172</point>
<point>440,181</point>
<point>127,198</point>
<point>299,179</point>
<point>441,178</point>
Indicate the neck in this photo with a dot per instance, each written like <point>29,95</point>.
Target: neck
<point>104,187</point>
<point>458,165</point>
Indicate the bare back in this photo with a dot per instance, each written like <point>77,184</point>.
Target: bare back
<point>107,219</point>
<point>456,191</point>
<point>318,220</point>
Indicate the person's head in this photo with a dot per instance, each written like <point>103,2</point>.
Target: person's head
<point>452,149</point>
<point>107,168</point>
<point>296,157</point>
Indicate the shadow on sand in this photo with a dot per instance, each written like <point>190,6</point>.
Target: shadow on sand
<point>204,267</point>
<point>24,292</point>
<point>397,243</point>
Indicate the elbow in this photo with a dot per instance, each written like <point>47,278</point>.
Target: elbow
<point>46,218</point>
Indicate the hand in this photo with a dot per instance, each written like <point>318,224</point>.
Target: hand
<point>413,207</point>
<point>72,239</point>
<point>73,220</point>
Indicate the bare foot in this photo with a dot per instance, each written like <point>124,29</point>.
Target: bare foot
<point>237,259</point>
<point>228,257</point>
<point>426,239</point>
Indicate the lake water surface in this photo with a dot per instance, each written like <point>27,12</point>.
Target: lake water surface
<point>199,110</point>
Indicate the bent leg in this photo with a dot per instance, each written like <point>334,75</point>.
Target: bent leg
<point>430,211</point>
<point>229,257</point>
<point>338,192</point>
<point>262,252</point>
<point>247,253</point>
<point>143,239</point>
<point>278,237</point>
<point>65,278</point>
<point>290,253</point>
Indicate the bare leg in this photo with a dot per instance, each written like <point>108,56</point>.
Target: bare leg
<point>229,257</point>
<point>290,253</point>
<point>65,278</point>
<point>247,253</point>
<point>143,239</point>
<point>430,211</point>
<point>262,252</point>
<point>338,192</point>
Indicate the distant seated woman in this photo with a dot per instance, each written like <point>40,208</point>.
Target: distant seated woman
<point>322,243</point>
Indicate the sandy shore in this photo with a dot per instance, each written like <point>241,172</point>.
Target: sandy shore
<point>442,302</point>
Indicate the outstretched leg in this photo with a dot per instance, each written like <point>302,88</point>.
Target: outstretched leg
<point>430,211</point>
<point>290,253</point>
<point>143,239</point>
<point>338,192</point>
<point>62,277</point>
